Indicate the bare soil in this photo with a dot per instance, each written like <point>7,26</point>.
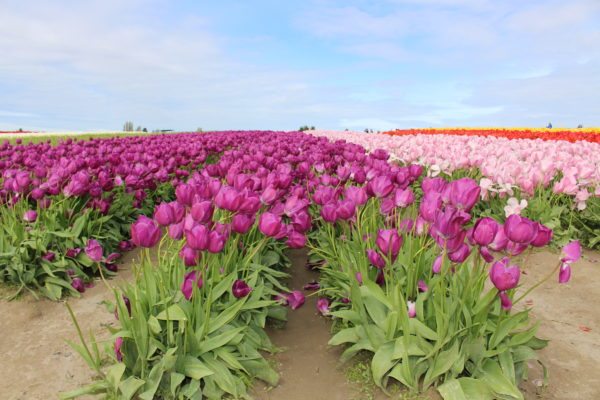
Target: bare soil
<point>36,363</point>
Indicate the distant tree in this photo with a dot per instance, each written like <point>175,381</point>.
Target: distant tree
<point>128,126</point>
<point>20,130</point>
<point>366,130</point>
<point>144,130</point>
<point>346,130</point>
<point>579,126</point>
<point>199,130</point>
<point>549,126</point>
<point>138,129</point>
<point>312,128</point>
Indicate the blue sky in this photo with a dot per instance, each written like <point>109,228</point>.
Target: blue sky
<point>91,65</point>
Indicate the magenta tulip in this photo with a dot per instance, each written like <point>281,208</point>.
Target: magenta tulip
<point>564,274</point>
<point>189,256</point>
<point>375,259</point>
<point>437,264</point>
<point>295,299</point>
<point>323,306</point>
<point>403,198</point>
<point>270,224</point>
<point>118,345</point>
<point>464,193</point>
<point>144,232</point>
<point>380,186</point>
<point>422,286</point>
<point>191,278</point>
<point>329,213</point>
<point>357,194</point>
<point>571,252</point>
<point>176,231</point>
<point>543,237</point>
<point>503,276</point>
<point>505,301</point>
<point>389,242</point>
<point>93,250</point>
<point>484,231</point>
<point>198,237</point>
<point>228,199</point>
<point>240,289</point>
<point>164,214</point>
<point>216,242</point>
<point>77,284</point>
<point>296,240</point>
<point>313,285</point>
<point>520,229</point>
<point>202,211</point>
<point>30,216</point>
<point>241,223</point>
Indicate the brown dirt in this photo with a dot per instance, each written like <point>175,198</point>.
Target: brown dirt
<point>38,364</point>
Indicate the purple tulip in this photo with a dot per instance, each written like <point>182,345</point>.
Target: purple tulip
<point>430,204</point>
<point>514,249</point>
<point>190,257</point>
<point>564,274</point>
<point>313,285</point>
<point>406,225</point>
<point>296,240</point>
<point>294,204</point>
<point>346,209</point>
<point>486,254</point>
<point>359,278</point>
<point>241,223</point>
<point>323,306</point>
<point>520,229</point>
<point>269,195</point>
<point>380,186</point>
<point>503,276</point>
<point>228,199</point>
<point>144,232</point>
<point>216,242</point>
<point>375,259</point>
<point>389,242</point>
<point>93,250</point>
<point>505,301</point>
<point>484,231</point>
<point>176,231</point>
<point>434,185</point>
<point>198,237</point>
<point>500,240</point>
<point>437,264</point>
<point>77,284</point>
<point>571,252</point>
<point>184,194</point>
<point>72,253</point>
<point>270,224</point>
<point>464,193</point>
<point>126,245</point>
<point>118,345</point>
<point>191,278</point>
<point>411,308</point>
<point>240,289</point>
<point>295,299</point>
<point>49,256</point>
<point>329,213</point>
<point>543,237</point>
<point>357,194</point>
<point>460,254</point>
<point>301,222</point>
<point>202,212</point>
<point>164,214</point>
<point>30,216</point>
<point>422,286</point>
<point>404,198</point>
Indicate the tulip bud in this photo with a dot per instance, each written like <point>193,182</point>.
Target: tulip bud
<point>93,250</point>
<point>389,242</point>
<point>240,289</point>
<point>189,256</point>
<point>412,309</point>
<point>437,265</point>
<point>30,216</point>
<point>187,287</point>
<point>375,259</point>
<point>144,232</point>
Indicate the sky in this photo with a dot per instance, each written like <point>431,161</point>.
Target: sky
<point>275,64</point>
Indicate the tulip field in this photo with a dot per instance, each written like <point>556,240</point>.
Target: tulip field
<point>420,243</point>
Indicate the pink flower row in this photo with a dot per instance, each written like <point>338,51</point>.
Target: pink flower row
<point>571,168</point>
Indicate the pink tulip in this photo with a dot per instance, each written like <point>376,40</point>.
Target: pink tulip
<point>295,299</point>
<point>503,276</point>
<point>323,306</point>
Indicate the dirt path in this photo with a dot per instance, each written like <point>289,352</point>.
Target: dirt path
<point>37,364</point>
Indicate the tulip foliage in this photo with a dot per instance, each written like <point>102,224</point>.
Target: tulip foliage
<point>428,291</point>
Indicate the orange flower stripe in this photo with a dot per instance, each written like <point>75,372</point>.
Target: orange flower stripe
<point>569,135</point>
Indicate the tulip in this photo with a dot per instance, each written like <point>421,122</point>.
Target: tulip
<point>216,242</point>
<point>500,240</point>
<point>564,274</point>
<point>380,186</point>
<point>187,287</point>
<point>126,245</point>
<point>189,256</point>
<point>184,194</point>
<point>412,309</point>
<point>118,345</point>
<point>144,232</point>
<point>571,252</point>
<point>77,284</point>
<point>301,222</point>
<point>228,199</point>
<point>430,204</point>
<point>164,214</point>
<point>202,211</point>
<point>296,240</point>
<point>323,306</point>
<point>329,213</point>
<point>293,205</point>
<point>359,278</point>
<point>375,259</point>
<point>49,256</point>
<point>313,285</point>
<point>486,254</point>
<point>357,194</point>
<point>543,237</point>
<point>460,254</point>
<point>464,193</point>
<point>389,242</point>
<point>270,224</point>
<point>241,223</point>
<point>30,216</point>
<point>503,276</point>
<point>484,231</point>
<point>269,195</point>
<point>176,231</point>
<point>346,209</point>
<point>505,301</point>
<point>422,286</point>
<point>72,253</point>
<point>198,237</point>
<point>437,264</point>
<point>240,289</point>
<point>520,229</point>
<point>93,250</point>
<point>295,299</point>
<point>404,197</point>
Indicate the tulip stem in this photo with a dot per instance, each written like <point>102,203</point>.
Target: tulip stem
<point>538,284</point>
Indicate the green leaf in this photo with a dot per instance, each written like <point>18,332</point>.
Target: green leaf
<point>505,327</point>
<point>381,363</point>
<point>175,314</point>
<point>129,387</point>
<point>195,369</point>
<point>348,335</point>
<point>176,380</point>
<point>421,329</point>
<point>465,389</point>
<point>500,385</point>
<point>219,340</point>
<point>442,362</point>
<point>114,374</point>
